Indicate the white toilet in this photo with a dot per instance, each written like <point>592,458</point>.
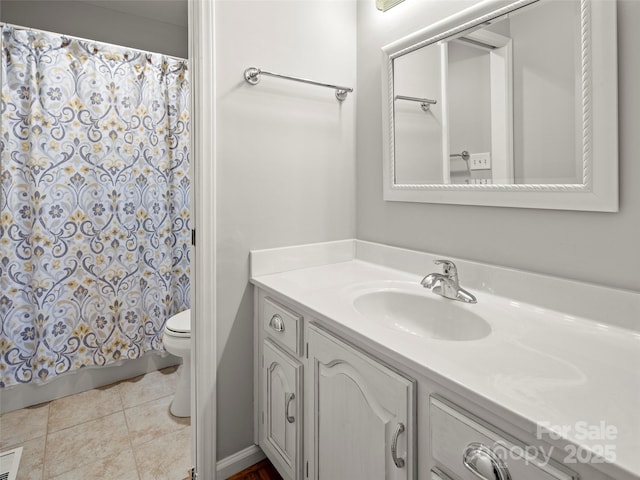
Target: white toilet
<point>177,341</point>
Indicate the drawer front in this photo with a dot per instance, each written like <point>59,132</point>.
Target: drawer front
<point>282,325</point>
<point>456,437</point>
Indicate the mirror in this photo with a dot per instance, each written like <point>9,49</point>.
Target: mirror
<point>506,104</point>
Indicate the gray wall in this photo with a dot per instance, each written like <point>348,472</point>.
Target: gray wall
<point>162,29</point>
<point>595,247</point>
<point>285,164</point>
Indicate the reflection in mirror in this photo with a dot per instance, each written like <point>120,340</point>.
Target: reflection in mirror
<point>418,134</point>
<point>507,102</point>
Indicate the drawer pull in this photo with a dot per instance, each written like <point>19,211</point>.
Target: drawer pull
<point>484,463</point>
<point>399,461</point>
<point>290,397</point>
<point>277,323</point>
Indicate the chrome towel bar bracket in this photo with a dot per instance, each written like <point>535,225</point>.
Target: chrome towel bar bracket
<point>464,155</point>
<point>425,103</point>
<point>252,76</point>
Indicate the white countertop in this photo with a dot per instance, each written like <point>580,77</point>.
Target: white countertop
<point>543,366</point>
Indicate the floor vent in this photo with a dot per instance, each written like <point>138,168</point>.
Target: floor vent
<point>9,462</point>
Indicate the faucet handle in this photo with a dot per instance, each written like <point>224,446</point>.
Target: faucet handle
<point>448,267</point>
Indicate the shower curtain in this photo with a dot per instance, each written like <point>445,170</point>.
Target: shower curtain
<point>94,203</point>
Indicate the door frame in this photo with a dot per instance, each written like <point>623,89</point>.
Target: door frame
<point>500,51</point>
<point>203,328</point>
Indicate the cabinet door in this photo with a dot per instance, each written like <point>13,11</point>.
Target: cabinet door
<point>361,414</point>
<point>281,410</point>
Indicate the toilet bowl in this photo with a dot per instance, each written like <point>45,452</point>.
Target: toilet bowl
<point>177,341</point>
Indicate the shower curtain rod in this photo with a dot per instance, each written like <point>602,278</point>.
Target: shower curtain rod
<point>12,25</point>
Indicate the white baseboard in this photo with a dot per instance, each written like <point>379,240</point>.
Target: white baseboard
<point>238,461</point>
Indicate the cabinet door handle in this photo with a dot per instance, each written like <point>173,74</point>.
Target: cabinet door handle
<point>277,323</point>
<point>484,463</point>
<point>289,398</point>
<point>399,461</point>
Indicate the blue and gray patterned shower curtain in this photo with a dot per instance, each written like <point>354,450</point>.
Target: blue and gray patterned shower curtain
<point>94,203</point>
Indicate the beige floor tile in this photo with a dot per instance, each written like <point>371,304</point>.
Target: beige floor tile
<point>82,407</point>
<point>146,388</point>
<point>152,420</point>
<point>85,444</point>
<point>120,467</point>
<point>22,425</point>
<point>165,458</point>
<point>32,460</point>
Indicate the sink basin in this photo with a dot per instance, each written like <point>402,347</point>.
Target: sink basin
<point>422,316</point>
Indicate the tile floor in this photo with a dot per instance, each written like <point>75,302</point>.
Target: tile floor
<point>122,431</point>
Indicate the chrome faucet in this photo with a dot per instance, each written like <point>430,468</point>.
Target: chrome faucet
<point>446,283</point>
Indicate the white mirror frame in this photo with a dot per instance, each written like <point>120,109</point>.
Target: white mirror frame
<point>599,190</point>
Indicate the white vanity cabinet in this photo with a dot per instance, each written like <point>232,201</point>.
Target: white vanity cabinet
<point>360,414</point>
<point>327,408</point>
